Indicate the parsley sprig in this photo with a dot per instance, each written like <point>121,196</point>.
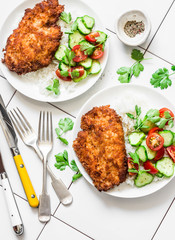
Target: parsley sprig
<point>135,159</point>
<point>161,78</point>
<point>153,115</point>
<point>62,162</point>
<point>126,73</point>
<point>68,58</point>
<point>65,125</point>
<point>54,87</point>
<point>66,17</point>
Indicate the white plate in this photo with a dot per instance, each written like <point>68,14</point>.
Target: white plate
<point>28,87</point>
<point>111,96</point>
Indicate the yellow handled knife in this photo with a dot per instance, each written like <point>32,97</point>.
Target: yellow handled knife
<point>12,142</point>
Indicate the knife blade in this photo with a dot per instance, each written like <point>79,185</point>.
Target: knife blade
<point>11,202</point>
<point>12,141</point>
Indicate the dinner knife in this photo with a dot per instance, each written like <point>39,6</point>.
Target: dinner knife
<point>10,200</point>
<point>12,141</point>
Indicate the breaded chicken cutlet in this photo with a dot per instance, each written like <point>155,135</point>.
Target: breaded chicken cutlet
<point>32,45</point>
<point>100,147</point>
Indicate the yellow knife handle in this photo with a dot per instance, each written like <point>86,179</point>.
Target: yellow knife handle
<point>27,185</point>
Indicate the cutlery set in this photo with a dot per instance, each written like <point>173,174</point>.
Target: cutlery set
<point>42,144</point>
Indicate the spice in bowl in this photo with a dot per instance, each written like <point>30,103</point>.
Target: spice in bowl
<point>132,28</point>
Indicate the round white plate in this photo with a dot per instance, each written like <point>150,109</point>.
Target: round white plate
<point>30,88</point>
<point>110,96</point>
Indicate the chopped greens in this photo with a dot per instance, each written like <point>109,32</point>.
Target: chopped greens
<point>126,73</point>
<point>66,17</point>
<point>135,159</point>
<point>161,78</point>
<point>65,125</point>
<point>55,87</point>
<point>62,162</point>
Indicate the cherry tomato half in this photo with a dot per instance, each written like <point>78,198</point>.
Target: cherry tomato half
<point>91,37</point>
<point>132,165</point>
<point>98,52</point>
<point>149,166</point>
<point>61,77</point>
<point>155,129</point>
<point>171,152</point>
<point>162,110</point>
<point>154,141</point>
<point>79,55</point>
<point>159,154</point>
<point>80,70</point>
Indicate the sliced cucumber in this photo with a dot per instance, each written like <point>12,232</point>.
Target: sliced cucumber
<point>95,68</point>
<point>165,166</point>
<point>168,137</point>
<point>136,138</point>
<point>143,179</point>
<point>174,139</point>
<point>103,35</point>
<point>65,60</point>
<point>81,27</point>
<point>60,52</point>
<point>80,78</point>
<point>88,21</point>
<point>149,125</point>
<point>87,63</point>
<point>151,154</point>
<point>75,38</point>
<point>142,153</point>
<point>63,67</point>
<point>159,175</point>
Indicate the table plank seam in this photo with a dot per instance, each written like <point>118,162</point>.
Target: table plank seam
<point>3,77</point>
<point>163,219</point>
<point>61,109</point>
<point>11,98</point>
<point>41,231</point>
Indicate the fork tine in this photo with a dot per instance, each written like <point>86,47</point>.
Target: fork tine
<point>39,127</point>
<point>20,119</point>
<point>51,127</point>
<point>47,134</point>
<point>25,120</point>
<point>43,127</point>
<point>18,127</point>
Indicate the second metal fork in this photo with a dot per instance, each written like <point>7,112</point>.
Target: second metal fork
<point>29,137</point>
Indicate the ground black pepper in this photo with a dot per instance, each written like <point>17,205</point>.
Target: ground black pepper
<point>132,28</point>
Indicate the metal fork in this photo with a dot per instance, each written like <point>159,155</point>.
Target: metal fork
<point>29,137</point>
<point>45,144</point>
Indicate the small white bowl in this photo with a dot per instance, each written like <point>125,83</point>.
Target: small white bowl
<point>133,15</point>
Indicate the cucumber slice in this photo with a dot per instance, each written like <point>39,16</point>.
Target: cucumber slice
<point>174,139</point>
<point>63,67</point>
<point>88,21</point>
<point>168,137</point>
<point>65,61</point>
<point>59,54</point>
<point>143,179</point>
<point>80,78</point>
<point>75,38</point>
<point>149,125</point>
<point>151,154</point>
<point>142,153</point>
<point>96,67</point>
<point>81,27</point>
<point>87,63</point>
<point>136,138</point>
<point>165,166</point>
<point>103,35</point>
<point>160,175</point>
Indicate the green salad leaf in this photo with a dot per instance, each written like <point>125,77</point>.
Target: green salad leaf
<point>55,87</point>
<point>66,17</point>
<point>64,125</point>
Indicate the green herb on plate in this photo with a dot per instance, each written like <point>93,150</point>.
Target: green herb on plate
<point>135,159</point>
<point>62,162</point>
<point>65,125</point>
<point>55,87</point>
<point>161,78</point>
<point>66,17</point>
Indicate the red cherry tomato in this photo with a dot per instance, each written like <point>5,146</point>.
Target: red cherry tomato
<point>79,55</point>
<point>160,154</point>
<point>155,129</point>
<point>80,69</point>
<point>132,165</point>
<point>149,166</point>
<point>162,110</point>
<point>171,152</point>
<point>61,77</point>
<point>98,52</point>
<point>91,37</point>
<point>154,141</point>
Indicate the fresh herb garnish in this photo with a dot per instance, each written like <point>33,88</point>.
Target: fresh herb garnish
<point>66,17</point>
<point>55,87</point>
<point>74,27</point>
<point>153,115</point>
<point>65,125</point>
<point>64,73</point>
<point>87,47</point>
<point>62,162</point>
<point>101,39</point>
<point>135,159</point>
<point>127,72</point>
<point>161,78</point>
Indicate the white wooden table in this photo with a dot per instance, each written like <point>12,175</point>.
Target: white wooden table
<point>94,215</point>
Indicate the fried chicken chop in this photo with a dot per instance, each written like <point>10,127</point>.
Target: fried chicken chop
<point>100,147</point>
<point>32,45</point>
